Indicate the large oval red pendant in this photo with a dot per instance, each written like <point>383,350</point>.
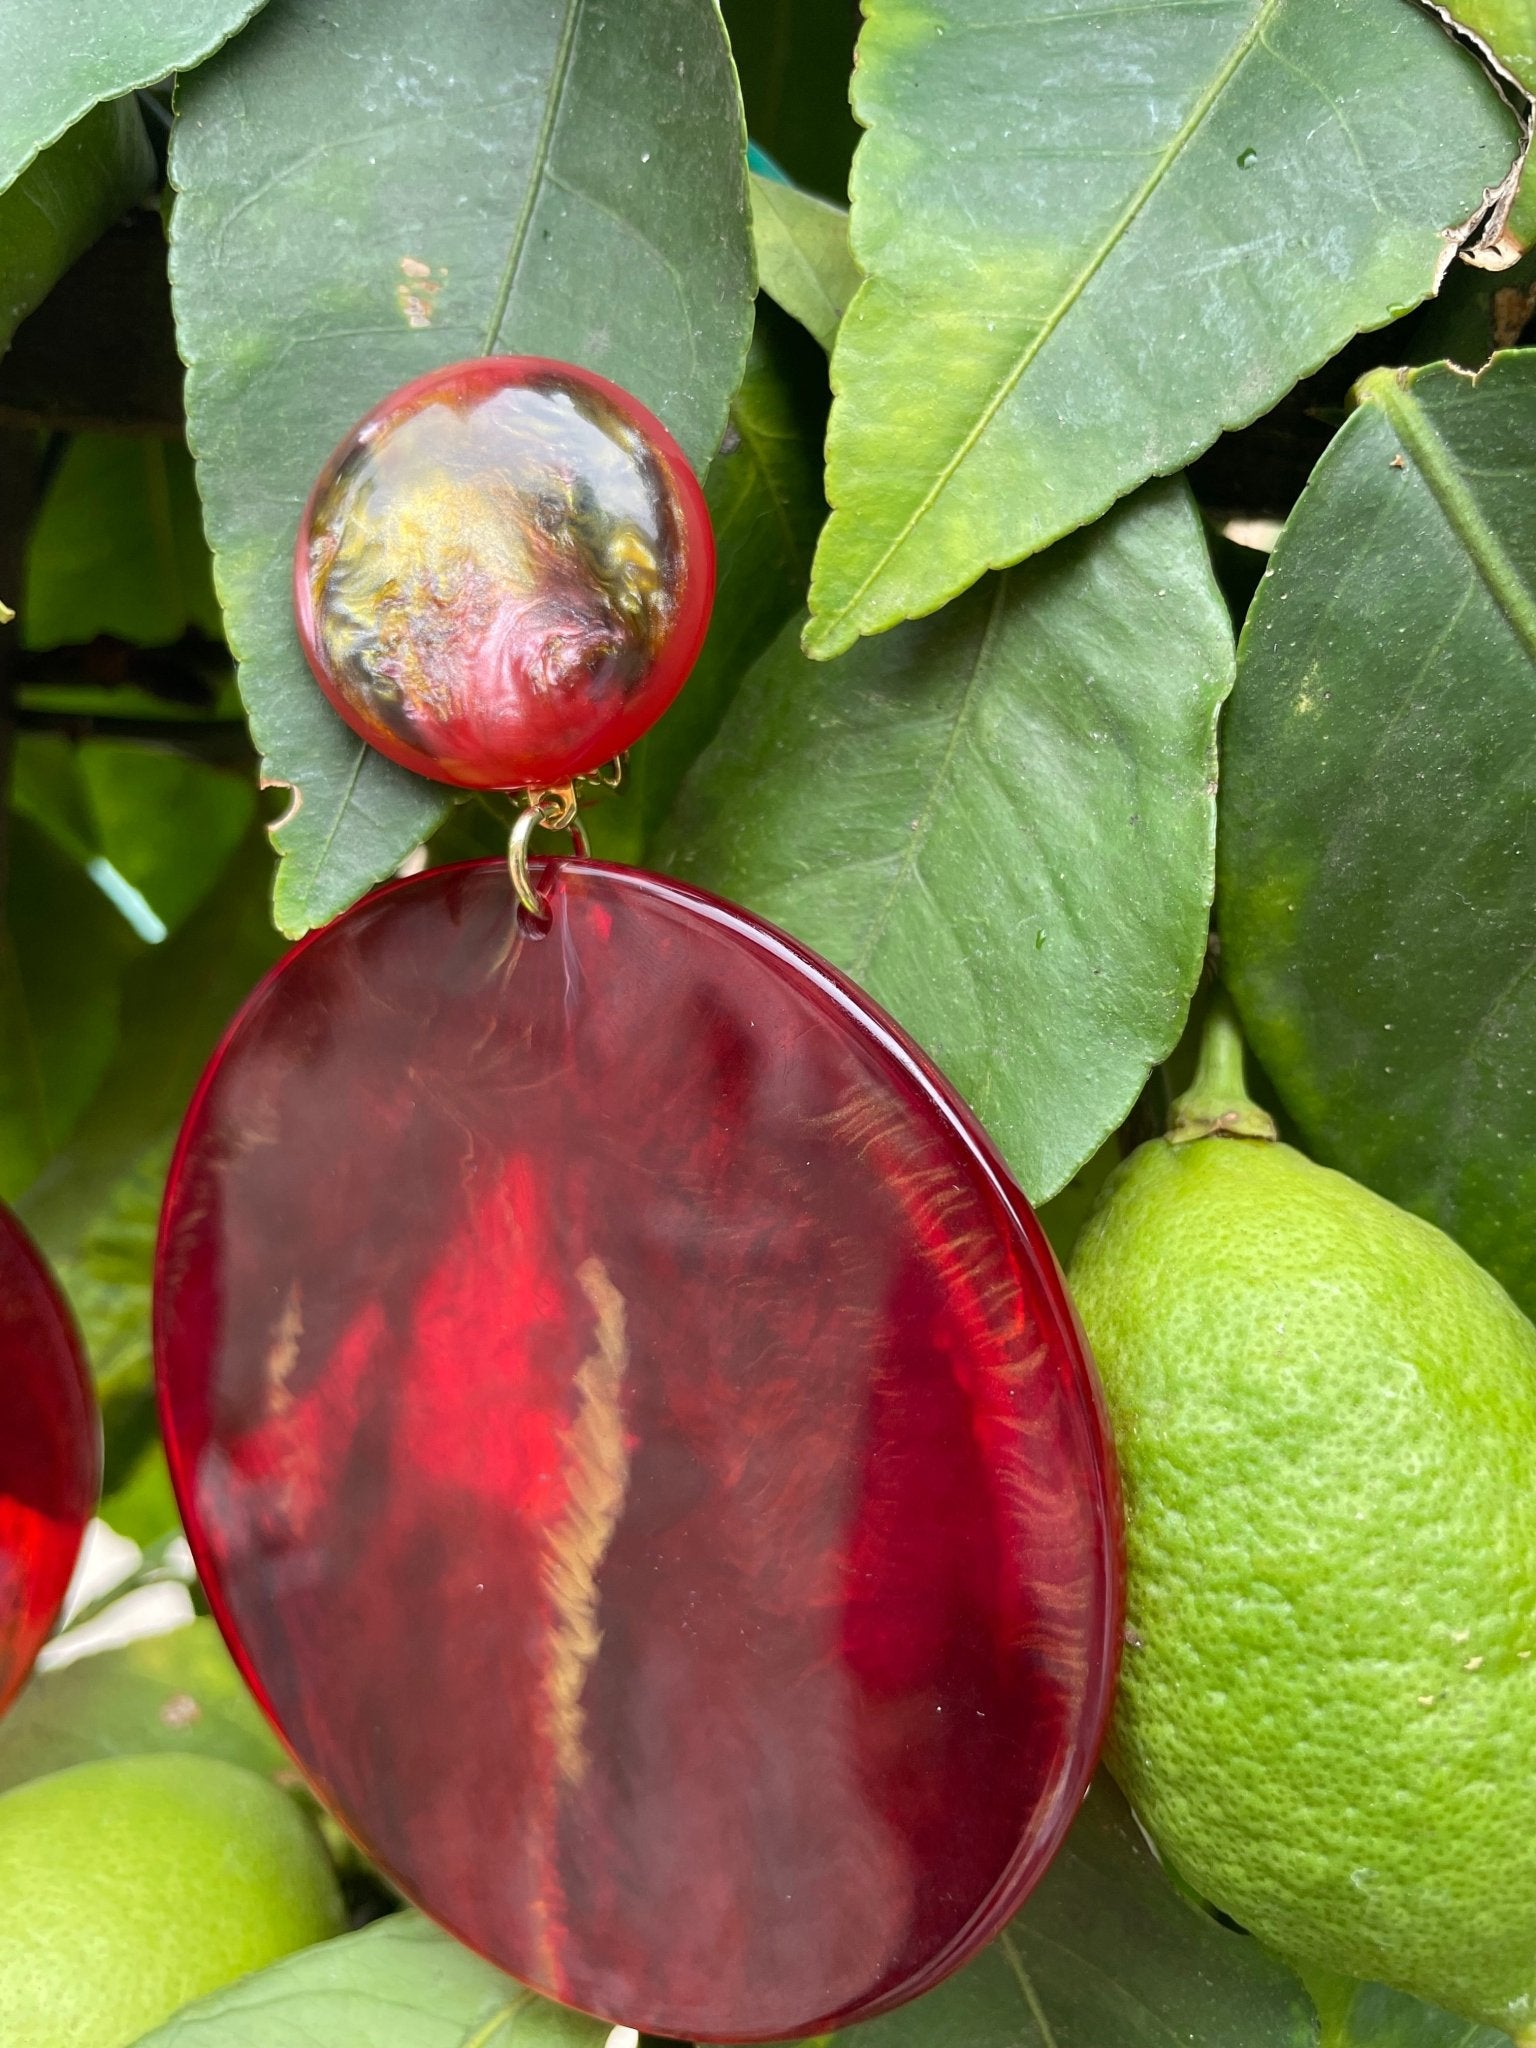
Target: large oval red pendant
<point>50,1453</point>
<point>634,1436</point>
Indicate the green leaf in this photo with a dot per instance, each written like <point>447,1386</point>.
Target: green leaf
<point>378,187</point>
<point>1063,1216</point>
<point>765,503</point>
<point>1357,2015</point>
<point>1106,1952</point>
<point>62,951</point>
<point>176,999</point>
<point>1378,870</point>
<point>1370,2016</point>
<point>398,1984</point>
<point>46,787</point>
<point>176,1693</point>
<point>58,58</point>
<point>803,258</point>
<point>95,1207</point>
<point>1378,2018</point>
<point>1508,27</point>
<point>118,547</point>
<point>108,1278</point>
<point>1089,249</point>
<point>139,1502</point>
<point>63,200</point>
<point>795,57</point>
<point>167,825</point>
<point>1000,821</point>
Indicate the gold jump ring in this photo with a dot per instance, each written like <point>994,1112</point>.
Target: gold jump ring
<point>555,810</point>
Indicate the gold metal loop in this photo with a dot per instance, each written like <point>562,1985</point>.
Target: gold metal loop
<point>555,810</point>
<point>609,776</point>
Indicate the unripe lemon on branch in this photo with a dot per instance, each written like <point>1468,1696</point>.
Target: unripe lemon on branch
<point>132,1885</point>
<point>1326,1417</point>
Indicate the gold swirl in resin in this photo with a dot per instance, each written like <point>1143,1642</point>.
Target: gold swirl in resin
<point>497,571</point>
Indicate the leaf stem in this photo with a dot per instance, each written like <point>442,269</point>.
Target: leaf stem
<point>1217,1104</point>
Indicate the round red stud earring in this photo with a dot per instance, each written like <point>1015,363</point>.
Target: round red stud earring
<point>630,1426</point>
<point>50,1453</point>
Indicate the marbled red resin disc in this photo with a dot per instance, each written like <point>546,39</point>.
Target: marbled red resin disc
<point>50,1453</point>
<point>636,1440</point>
<point>504,573</point>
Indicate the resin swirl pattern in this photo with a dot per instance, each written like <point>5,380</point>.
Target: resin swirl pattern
<point>636,1440</point>
<point>504,574</point>
<point>50,1453</point>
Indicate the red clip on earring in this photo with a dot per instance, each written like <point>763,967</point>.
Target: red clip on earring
<point>50,1454</point>
<point>630,1426</point>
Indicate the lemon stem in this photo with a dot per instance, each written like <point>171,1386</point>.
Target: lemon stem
<point>1333,1995</point>
<point>1217,1104</point>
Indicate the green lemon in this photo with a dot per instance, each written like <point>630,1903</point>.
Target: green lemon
<point>1326,1419</point>
<point>131,1886</point>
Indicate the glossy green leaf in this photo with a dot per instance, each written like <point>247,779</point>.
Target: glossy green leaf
<point>379,187</point>
<point>177,1694</point>
<point>795,57</point>
<point>803,258</point>
<point>1508,27</point>
<point>765,503</point>
<point>63,200</point>
<point>1092,242</point>
<point>62,952</point>
<point>1106,1952</point>
<point>1370,2016</point>
<point>1378,869</point>
<point>118,547</point>
<point>398,1984</point>
<point>1000,821</point>
<point>58,58</point>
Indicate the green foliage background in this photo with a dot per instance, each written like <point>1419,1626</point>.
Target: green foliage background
<point>1141,366</point>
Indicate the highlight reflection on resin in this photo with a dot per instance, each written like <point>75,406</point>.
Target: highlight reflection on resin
<point>50,1453</point>
<point>504,573</point>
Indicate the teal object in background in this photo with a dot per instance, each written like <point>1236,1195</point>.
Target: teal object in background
<point>760,161</point>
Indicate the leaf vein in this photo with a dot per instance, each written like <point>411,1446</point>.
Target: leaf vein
<point>924,824</point>
<point>636,233</point>
<point>1026,1985</point>
<point>1170,155</point>
<point>502,2017</point>
<point>343,804</point>
<point>1458,507</point>
<point>754,443</point>
<point>537,172</point>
